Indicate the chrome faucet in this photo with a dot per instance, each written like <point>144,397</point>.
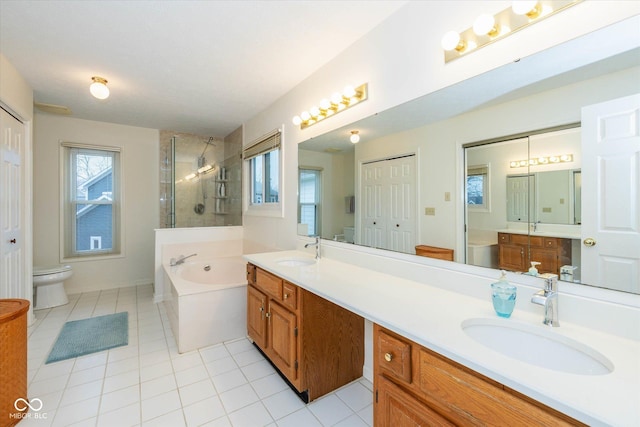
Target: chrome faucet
<point>317,245</point>
<point>173,262</point>
<point>548,298</point>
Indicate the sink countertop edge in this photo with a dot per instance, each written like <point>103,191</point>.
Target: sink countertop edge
<point>363,292</point>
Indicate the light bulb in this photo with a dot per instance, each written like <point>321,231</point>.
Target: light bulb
<point>336,98</point>
<point>530,8</point>
<point>354,138</point>
<point>484,25</point>
<point>99,88</point>
<point>305,116</point>
<point>325,104</point>
<point>451,40</point>
<point>296,120</point>
<point>349,92</point>
<point>314,111</point>
<point>190,176</point>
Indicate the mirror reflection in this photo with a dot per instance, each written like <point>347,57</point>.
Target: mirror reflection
<point>403,185</point>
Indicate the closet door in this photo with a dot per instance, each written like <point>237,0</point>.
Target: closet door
<point>12,146</point>
<point>374,215</point>
<point>388,191</point>
<point>401,228</point>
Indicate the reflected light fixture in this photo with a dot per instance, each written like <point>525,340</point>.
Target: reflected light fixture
<point>542,160</point>
<point>355,137</point>
<point>328,107</point>
<point>99,87</point>
<point>489,28</point>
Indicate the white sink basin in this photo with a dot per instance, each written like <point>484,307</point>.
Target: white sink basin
<point>537,346</point>
<point>295,262</point>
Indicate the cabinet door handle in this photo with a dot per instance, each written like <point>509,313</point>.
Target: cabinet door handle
<point>388,357</point>
<point>286,296</point>
<point>12,241</point>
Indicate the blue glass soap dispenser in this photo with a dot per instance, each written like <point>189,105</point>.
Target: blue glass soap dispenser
<point>503,296</point>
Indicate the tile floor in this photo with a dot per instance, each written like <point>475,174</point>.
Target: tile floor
<point>148,383</point>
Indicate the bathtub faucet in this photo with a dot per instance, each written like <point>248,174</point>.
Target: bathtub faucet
<point>180,260</point>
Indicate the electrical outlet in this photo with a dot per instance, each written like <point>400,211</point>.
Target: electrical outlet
<point>447,196</point>
<point>429,211</point>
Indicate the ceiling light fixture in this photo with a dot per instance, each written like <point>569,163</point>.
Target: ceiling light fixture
<point>355,137</point>
<point>327,107</point>
<point>99,87</point>
<point>489,28</point>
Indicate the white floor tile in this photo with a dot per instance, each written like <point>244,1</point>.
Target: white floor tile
<point>247,357</point>
<point>172,419</point>
<point>150,372</point>
<point>81,392</point>
<point>157,386</point>
<point>282,404</point>
<point>119,381</point>
<point>122,366</point>
<point>119,399</point>
<point>86,375</point>
<point>302,417</point>
<point>215,352</point>
<point>191,375</point>
<point>77,412</point>
<point>229,380</point>
<point>367,414</point>
<point>196,392</point>
<point>203,411</point>
<point>238,346</point>
<point>271,384</point>
<point>258,370</point>
<point>187,361</point>
<point>238,397</point>
<point>254,415</point>
<point>160,405</point>
<point>330,409</point>
<point>221,366</point>
<point>352,421</point>
<point>122,417</point>
<point>355,395</point>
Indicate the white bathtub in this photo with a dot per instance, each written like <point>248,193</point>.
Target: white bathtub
<point>208,301</point>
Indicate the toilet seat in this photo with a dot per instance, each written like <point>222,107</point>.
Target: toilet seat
<point>50,269</point>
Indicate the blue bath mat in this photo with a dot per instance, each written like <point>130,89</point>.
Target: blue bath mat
<point>80,337</point>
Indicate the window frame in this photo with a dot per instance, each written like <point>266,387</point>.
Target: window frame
<point>68,218</point>
<point>486,187</point>
<point>317,203</point>
<point>260,147</point>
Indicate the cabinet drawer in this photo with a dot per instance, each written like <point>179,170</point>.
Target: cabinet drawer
<point>269,283</point>
<point>290,295</point>
<point>504,238</point>
<point>536,241</point>
<point>520,239</point>
<point>394,356</point>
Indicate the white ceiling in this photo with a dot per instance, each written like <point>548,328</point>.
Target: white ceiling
<point>202,67</point>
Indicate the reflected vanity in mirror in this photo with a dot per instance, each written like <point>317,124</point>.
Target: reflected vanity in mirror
<point>457,192</point>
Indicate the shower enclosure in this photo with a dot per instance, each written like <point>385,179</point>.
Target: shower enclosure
<point>200,180</point>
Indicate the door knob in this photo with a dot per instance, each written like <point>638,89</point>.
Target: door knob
<point>589,242</point>
<point>388,357</point>
<point>12,241</point>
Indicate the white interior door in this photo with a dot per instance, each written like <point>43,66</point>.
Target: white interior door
<point>402,204</point>
<point>611,182</point>
<point>373,215</point>
<point>12,146</point>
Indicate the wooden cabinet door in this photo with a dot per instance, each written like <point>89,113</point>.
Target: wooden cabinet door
<point>256,316</point>
<point>396,408</point>
<point>548,259</point>
<point>512,257</point>
<point>283,340</point>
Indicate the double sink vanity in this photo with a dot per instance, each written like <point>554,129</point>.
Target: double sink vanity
<point>439,354</point>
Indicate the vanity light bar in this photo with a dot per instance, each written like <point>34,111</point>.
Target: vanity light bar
<point>489,28</point>
<point>542,160</point>
<point>328,107</point>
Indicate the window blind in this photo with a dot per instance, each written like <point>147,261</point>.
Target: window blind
<point>477,170</point>
<point>270,142</point>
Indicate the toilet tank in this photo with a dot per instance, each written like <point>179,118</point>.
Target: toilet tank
<point>349,234</point>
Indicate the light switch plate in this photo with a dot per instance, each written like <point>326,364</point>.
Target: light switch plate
<point>429,211</point>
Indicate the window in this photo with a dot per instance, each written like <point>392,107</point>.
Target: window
<point>309,200</point>
<point>264,158</point>
<point>478,187</point>
<point>91,210</point>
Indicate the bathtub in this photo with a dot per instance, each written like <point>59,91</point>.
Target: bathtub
<point>207,303</point>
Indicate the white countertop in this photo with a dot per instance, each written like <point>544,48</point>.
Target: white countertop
<point>431,316</point>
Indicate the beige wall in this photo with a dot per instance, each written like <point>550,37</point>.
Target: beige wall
<point>140,207</point>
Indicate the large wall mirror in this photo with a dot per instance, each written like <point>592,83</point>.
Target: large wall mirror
<point>482,172</point>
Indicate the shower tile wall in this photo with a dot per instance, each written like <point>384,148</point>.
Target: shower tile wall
<point>190,195</point>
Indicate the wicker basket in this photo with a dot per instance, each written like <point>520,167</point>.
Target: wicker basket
<point>13,358</point>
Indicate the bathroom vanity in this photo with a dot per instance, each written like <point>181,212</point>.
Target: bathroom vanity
<point>317,345</point>
<point>516,251</point>
<point>426,368</point>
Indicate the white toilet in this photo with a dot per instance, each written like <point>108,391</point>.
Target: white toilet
<point>48,286</point>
